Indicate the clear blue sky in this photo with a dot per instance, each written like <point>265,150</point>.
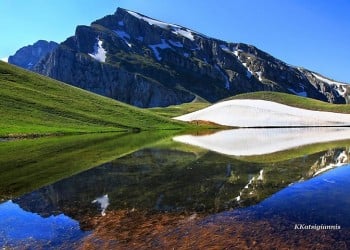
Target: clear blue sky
<point>314,34</point>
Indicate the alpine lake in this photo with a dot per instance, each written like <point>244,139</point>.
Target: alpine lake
<point>150,191</point>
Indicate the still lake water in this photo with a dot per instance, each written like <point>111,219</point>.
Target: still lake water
<point>174,195</point>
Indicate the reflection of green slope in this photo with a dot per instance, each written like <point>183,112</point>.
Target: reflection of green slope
<point>29,164</point>
<point>177,110</point>
<point>149,179</point>
<point>295,152</point>
<point>169,143</point>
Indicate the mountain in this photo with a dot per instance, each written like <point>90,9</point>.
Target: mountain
<point>30,55</point>
<point>147,63</point>
<point>32,105</point>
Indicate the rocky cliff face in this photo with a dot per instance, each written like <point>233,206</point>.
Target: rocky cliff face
<point>145,62</point>
<point>30,55</point>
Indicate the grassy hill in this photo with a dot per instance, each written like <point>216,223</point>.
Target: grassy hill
<point>177,110</point>
<point>31,104</point>
<point>283,98</point>
<point>295,101</point>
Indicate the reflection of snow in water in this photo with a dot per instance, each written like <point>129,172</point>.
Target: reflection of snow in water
<point>250,182</point>
<point>104,203</point>
<point>245,142</point>
<point>261,176</point>
<point>329,181</point>
<point>340,160</point>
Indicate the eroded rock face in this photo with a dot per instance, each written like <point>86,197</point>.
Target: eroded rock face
<point>27,57</point>
<point>148,63</point>
<point>105,79</point>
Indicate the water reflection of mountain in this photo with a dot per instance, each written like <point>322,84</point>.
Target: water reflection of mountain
<point>174,181</point>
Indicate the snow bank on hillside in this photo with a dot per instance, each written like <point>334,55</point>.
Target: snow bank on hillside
<point>245,142</point>
<point>260,113</point>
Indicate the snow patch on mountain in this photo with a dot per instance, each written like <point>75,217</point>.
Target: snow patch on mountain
<point>235,52</point>
<point>99,52</point>
<point>176,29</point>
<point>155,47</point>
<point>261,113</point>
<point>124,36</point>
<point>327,80</point>
<point>259,73</point>
<point>225,48</point>
<point>175,43</point>
<point>184,32</point>
<point>249,72</point>
<point>339,86</point>
<point>151,21</point>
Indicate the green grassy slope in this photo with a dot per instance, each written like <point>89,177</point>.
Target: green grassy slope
<point>32,104</point>
<point>295,101</point>
<point>177,110</point>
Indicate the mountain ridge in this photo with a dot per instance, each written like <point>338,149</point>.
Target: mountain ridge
<point>150,63</point>
<point>28,56</point>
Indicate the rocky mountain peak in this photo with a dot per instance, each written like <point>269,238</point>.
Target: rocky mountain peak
<point>28,56</point>
<point>146,62</point>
